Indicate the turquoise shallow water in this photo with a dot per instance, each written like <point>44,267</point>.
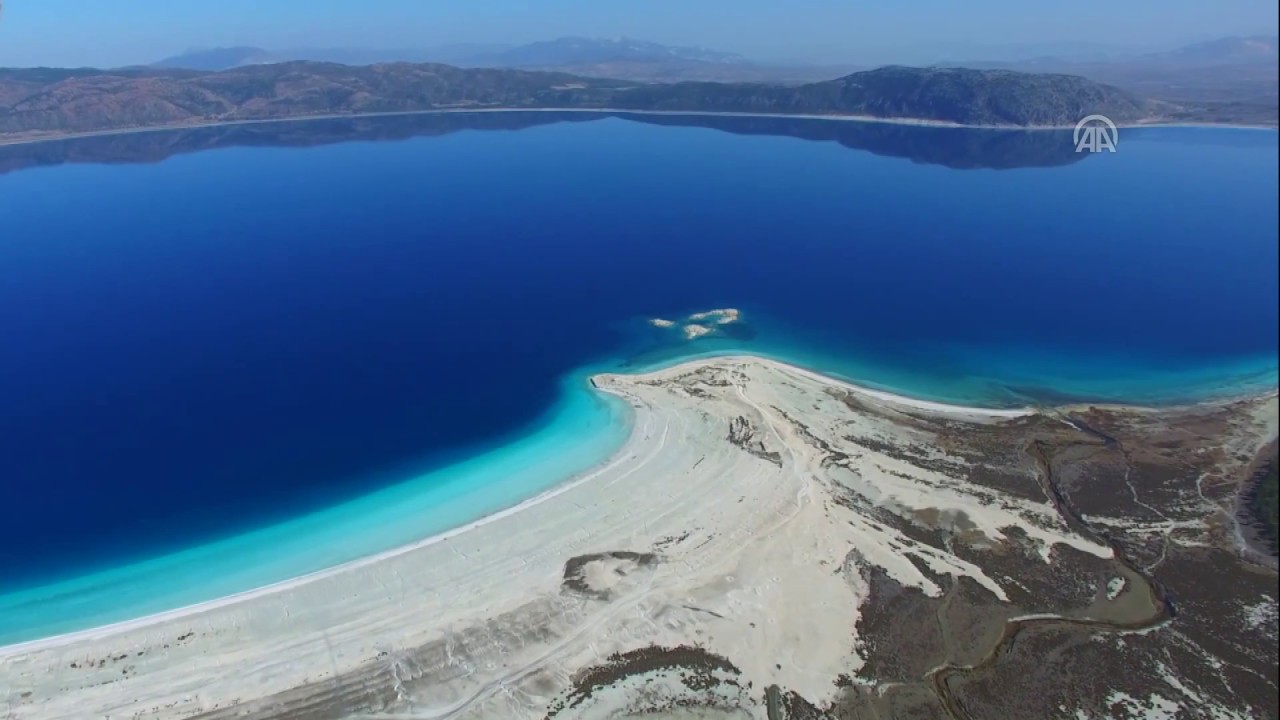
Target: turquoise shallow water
<point>234,367</point>
<point>988,376</point>
<point>582,430</point>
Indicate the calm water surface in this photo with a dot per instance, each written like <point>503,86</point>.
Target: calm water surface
<point>287,329</point>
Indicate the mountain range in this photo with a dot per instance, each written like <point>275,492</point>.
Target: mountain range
<point>560,52</point>
<point>1235,73</point>
<point>1232,80</point>
<point>43,102</point>
<point>621,58</point>
<point>1239,68</point>
<point>588,51</point>
<point>1221,52</point>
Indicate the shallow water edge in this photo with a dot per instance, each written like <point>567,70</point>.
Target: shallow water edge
<point>582,432</point>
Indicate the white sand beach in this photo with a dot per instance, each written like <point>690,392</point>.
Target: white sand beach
<point>735,519</point>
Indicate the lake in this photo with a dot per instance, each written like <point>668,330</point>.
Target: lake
<point>235,355</point>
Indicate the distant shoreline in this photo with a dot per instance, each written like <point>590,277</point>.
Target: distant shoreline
<point>6,141</point>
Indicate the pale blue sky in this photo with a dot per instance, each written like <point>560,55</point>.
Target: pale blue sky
<point>119,32</point>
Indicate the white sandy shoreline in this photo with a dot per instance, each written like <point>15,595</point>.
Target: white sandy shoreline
<point>247,595</point>
<point>885,396</point>
<point>559,489</point>
<point>8,141</point>
<point>745,514</point>
<point>881,397</point>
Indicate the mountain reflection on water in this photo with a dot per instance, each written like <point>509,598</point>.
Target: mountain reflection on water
<point>956,148</point>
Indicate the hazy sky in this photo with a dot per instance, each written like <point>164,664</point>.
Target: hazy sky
<point>119,32</point>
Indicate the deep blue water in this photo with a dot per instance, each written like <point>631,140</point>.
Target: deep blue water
<point>222,340</point>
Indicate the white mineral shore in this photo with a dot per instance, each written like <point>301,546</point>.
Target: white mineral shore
<point>693,331</point>
<point>756,561</point>
<point>721,316</point>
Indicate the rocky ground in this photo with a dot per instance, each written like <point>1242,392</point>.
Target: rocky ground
<point>1160,488</point>
<point>1180,624</point>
